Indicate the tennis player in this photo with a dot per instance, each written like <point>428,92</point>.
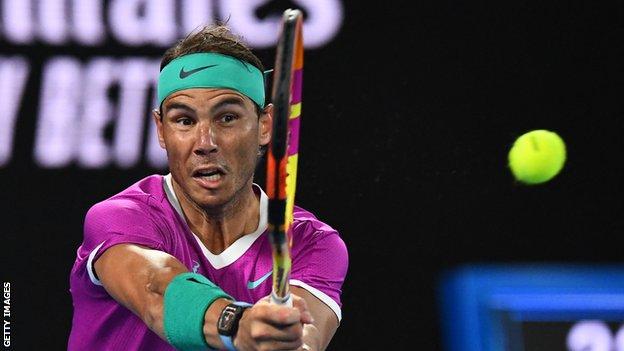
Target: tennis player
<point>182,260</point>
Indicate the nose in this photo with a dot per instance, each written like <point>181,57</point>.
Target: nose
<point>206,139</point>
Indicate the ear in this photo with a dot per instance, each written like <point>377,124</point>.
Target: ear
<point>265,125</point>
<point>159,127</point>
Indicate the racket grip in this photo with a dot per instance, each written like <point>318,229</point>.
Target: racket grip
<point>286,300</point>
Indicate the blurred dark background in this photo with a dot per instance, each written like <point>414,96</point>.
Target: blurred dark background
<point>408,114</point>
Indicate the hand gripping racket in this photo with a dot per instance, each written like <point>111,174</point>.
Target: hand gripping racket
<point>283,150</point>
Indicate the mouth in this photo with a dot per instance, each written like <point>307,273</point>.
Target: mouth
<point>209,176</point>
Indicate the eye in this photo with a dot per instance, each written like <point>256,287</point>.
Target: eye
<point>228,118</point>
<point>184,121</point>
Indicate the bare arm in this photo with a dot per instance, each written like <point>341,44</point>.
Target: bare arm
<point>317,335</point>
<point>137,277</point>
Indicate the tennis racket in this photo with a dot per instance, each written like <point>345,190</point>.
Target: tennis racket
<point>283,152</point>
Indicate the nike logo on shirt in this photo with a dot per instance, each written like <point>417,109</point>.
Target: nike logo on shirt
<point>254,284</point>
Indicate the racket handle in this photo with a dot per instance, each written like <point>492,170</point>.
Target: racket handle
<point>286,300</point>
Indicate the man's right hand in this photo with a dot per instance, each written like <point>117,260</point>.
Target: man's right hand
<point>267,326</point>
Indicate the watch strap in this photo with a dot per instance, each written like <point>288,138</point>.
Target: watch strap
<point>227,342</point>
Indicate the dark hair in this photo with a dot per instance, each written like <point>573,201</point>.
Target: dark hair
<point>212,38</point>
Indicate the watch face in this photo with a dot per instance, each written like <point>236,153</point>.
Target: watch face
<point>228,317</point>
<point>227,320</point>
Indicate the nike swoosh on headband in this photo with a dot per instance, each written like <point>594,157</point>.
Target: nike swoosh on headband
<point>184,74</point>
<point>254,284</point>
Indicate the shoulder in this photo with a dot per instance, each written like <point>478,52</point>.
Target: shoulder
<point>136,207</point>
<point>308,230</point>
<point>140,197</point>
<point>306,223</point>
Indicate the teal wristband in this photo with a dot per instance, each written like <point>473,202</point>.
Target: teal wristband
<point>186,300</point>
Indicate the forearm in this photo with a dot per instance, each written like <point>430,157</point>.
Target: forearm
<point>137,278</point>
<point>317,334</point>
<point>312,338</point>
<point>153,311</point>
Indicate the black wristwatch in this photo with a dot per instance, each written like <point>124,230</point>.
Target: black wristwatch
<point>227,325</point>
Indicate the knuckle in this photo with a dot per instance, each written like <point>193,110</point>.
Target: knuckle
<point>261,310</point>
<point>259,332</point>
<point>297,331</point>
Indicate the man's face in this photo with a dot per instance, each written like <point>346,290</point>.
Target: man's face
<point>212,138</point>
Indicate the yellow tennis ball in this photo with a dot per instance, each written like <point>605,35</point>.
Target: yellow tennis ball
<point>537,156</point>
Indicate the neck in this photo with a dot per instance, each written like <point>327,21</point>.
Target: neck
<point>220,226</point>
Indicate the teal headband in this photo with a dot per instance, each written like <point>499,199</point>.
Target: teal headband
<point>211,70</point>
